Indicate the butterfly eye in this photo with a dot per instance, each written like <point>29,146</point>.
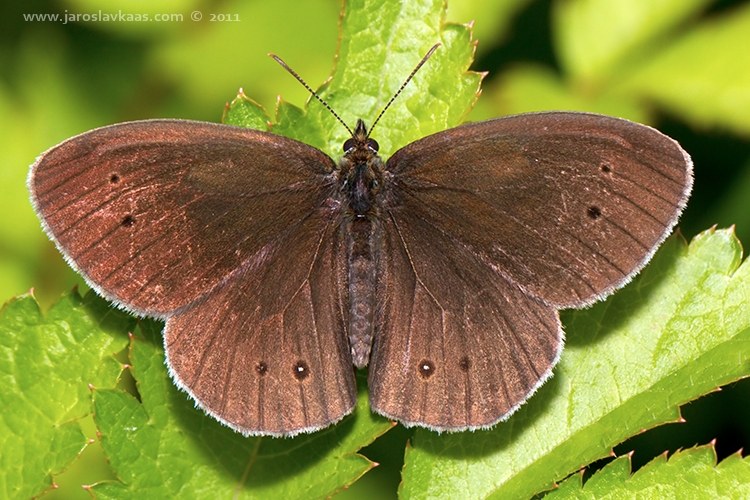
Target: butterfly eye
<point>348,144</point>
<point>373,145</point>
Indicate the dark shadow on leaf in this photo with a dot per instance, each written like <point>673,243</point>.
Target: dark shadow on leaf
<point>267,459</point>
<point>151,330</point>
<point>115,322</point>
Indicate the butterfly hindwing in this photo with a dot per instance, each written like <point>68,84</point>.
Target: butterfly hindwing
<point>459,346</point>
<point>266,352</point>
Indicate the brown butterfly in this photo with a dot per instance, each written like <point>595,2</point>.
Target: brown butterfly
<point>277,269</point>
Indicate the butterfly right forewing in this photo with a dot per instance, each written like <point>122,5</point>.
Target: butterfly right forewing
<point>156,213</point>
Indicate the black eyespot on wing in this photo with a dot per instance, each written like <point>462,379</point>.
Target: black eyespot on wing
<point>127,221</point>
<point>426,369</point>
<point>594,212</point>
<point>464,364</point>
<point>301,370</point>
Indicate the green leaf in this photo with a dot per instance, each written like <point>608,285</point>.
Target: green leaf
<point>244,112</point>
<point>165,447</point>
<point>680,330</point>
<point>381,43</point>
<point>687,474</point>
<point>47,363</point>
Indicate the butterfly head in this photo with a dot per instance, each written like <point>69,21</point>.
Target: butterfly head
<point>360,144</point>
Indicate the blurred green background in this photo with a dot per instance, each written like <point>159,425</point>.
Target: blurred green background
<point>682,66</point>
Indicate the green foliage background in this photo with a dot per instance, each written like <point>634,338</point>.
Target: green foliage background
<point>683,67</point>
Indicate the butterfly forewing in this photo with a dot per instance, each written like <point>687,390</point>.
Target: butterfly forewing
<point>156,213</point>
<point>567,205</point>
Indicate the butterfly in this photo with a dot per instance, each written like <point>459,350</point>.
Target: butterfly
<point>278,270</point>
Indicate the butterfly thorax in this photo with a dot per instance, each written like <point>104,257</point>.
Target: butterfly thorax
<point>361,172</point>
<point>361,176</point>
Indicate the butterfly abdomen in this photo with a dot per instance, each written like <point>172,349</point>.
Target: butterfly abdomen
<point>362,265</point>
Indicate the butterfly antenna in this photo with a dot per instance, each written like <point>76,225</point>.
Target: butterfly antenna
<point>314,94</point>
<point>408,79</point>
